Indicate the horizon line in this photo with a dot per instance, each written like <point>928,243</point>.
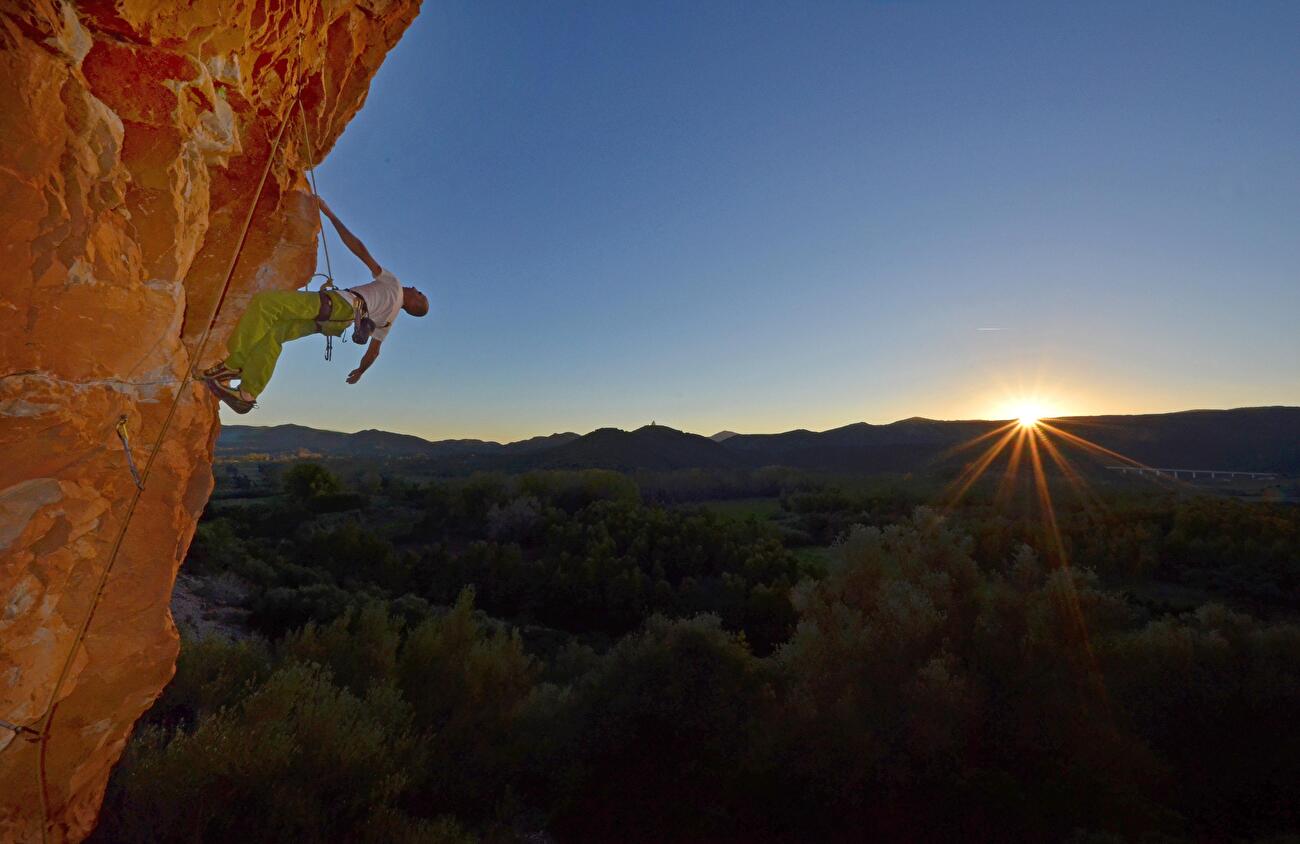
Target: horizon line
<point>655,423</point>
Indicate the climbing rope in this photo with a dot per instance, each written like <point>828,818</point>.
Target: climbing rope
<point>328,284</point>
<point>42,732</point>
<point>311,178</point>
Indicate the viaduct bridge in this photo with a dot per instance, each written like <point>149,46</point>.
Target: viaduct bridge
<point>1192,473</point>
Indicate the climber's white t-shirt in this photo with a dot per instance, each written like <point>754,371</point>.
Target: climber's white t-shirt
<point>383,301</point>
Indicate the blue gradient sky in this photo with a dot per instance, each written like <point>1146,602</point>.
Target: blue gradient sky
<point>766,216</point>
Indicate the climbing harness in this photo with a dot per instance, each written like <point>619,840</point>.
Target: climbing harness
<point>323,316</point>
<point>362,325</point>
<point>326,312</point>
<point>126,449</point>
<point>40,734</point>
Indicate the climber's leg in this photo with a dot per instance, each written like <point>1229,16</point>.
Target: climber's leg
<point>258,361</point>
<point>259,320</point>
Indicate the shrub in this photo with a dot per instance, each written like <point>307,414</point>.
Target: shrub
<point>657,738</point>
<point>359,647</point>
<point>515,521</point>
<point>355,555</point>
<point>1208,690</point>
<point>216,548</point>
<point>912,674</point>
<point>306,481</point>
<point>573,490</point>
<point>210,673</point>
<point>282,609</point>
<point>300,759</point>
<point>466,686</point>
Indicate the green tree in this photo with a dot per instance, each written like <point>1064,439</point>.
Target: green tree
<point>467,684</point>
<point>654,742</point>
<point>299,759</point>
<point>306,481</point>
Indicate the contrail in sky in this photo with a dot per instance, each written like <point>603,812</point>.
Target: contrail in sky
<point>989,329</point>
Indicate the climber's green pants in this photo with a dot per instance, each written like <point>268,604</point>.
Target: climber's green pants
<point>273,318</point>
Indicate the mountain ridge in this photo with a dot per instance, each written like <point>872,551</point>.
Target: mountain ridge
<point>1242,439</point>
<point>290,439</point>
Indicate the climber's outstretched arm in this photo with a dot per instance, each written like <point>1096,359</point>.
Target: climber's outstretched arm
<point>350,240</point>
<point>372,352</point>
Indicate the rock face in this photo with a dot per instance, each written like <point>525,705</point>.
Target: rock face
<point>133,135</point>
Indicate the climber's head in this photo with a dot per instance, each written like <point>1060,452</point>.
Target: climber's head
<point>414,302</point>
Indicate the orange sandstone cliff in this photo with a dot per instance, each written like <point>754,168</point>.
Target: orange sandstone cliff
<point>133,134</point>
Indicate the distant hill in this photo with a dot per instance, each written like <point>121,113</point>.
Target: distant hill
<point>535,444</point>
<point>297,440</point>
<point>1245,439</point>
<point>1251,439</point>
<point>290,440</point>
<point>656,447</point>
<point>897,447</point>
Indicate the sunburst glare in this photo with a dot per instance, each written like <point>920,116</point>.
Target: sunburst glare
<point>1028,411</point>
<point>1035,436</point>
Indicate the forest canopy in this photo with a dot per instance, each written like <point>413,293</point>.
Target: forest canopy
<point>580,655</point>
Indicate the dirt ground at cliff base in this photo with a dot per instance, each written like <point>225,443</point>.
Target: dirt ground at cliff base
<point>210,606</point>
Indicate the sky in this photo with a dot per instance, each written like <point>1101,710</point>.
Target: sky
<point>765,216</point>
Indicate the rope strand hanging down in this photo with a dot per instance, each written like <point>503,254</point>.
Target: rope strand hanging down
<point>328,284</point>
<point>311,178</point>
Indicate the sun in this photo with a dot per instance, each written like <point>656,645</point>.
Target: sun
<point>1028,412</point>
<point>1027,408</point>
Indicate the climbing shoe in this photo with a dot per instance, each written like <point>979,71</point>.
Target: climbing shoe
<point>219,373</point>
<point>233,399</point>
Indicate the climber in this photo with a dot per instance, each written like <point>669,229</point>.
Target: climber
<point>275,317</point>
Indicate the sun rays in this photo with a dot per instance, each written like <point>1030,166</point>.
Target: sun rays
<point>1040,440</point>
<point>1029,413</point>
<point>1044,439</point>
<point>1027,405</point>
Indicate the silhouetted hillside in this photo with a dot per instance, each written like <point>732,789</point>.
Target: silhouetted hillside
<point>535,444</point>
<point>1245,439</point>
<point>293,440</point>
<point>903,446</point>
<point>1252,439</point>
<point>651,447</point>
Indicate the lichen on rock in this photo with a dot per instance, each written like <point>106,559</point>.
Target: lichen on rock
<point>133,135</point>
